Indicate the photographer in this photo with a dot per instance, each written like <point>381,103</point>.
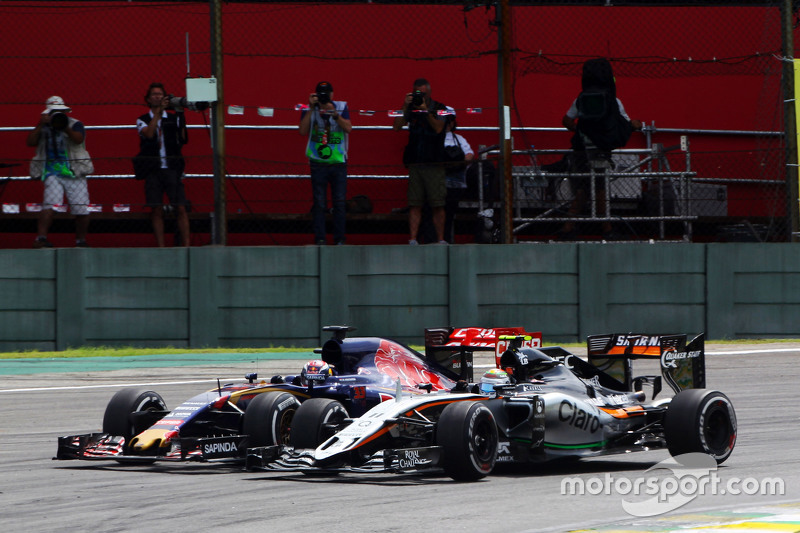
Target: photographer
<point>327,124</point>
<point>161,138</point>
<point>63,163</point>
<point>424,158</point>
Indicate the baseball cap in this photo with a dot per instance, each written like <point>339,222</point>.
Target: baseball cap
<point>324,87</point>
<point>55,103</point>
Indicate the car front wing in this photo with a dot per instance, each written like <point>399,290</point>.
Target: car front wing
<point>398,461</point>
<point>102,446</point>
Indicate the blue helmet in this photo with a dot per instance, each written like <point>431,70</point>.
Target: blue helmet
<point>315,371</point>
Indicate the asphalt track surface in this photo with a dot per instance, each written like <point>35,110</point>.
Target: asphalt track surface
<point>39,494</point>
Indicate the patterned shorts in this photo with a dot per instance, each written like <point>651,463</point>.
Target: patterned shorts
<point>75,189</point>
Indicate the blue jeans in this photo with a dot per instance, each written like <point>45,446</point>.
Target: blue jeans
<point>321,176</point>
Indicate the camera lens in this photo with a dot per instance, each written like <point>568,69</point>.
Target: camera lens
<point>177,102</point>
<point>59,121</point>
<point>324,98</point>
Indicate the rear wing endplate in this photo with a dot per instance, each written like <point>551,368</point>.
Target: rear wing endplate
<point>682,363</point>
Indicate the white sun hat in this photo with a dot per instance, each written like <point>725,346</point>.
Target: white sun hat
<point>55,103</point>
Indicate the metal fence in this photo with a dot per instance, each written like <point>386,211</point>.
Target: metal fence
<point>702,76</point>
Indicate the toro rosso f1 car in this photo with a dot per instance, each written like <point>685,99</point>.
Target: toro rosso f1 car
<point>548,404</point>
<point>356,373</point>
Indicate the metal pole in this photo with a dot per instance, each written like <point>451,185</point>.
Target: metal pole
<point>504,106</point>
<point>789,118</point>
<point>220,220</point>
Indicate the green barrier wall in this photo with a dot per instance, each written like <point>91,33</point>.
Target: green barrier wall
<point>283,296</point>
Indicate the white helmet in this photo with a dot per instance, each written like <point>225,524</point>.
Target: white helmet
<point>493,377</point>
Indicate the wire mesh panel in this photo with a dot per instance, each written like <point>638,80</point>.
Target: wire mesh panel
<point>703,77</point>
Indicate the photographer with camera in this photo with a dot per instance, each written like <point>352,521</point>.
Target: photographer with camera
<point>161,138</point>
<point>63,163</point>
<point>424,157</point>
<point>327,124</point>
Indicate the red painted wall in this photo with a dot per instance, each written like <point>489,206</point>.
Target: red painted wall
<point>101,57</point>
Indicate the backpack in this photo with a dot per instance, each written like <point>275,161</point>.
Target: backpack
<point>599,117</point>
<point>359,204</point>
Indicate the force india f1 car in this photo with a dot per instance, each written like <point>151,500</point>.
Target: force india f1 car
<point>357,374</point>
<point>555,405</point>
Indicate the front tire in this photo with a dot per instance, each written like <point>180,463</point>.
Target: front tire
<point>120,417</point>
<point>315,422</point>
<point>701,420</point>
<point>467,433</point>
<point>268,418</point>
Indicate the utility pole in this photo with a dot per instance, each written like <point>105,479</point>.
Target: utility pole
<point>219,230</point>
<point>789,120</point>
<point>503,16</point>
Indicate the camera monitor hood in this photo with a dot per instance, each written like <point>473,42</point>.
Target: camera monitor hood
<point>201,89</point>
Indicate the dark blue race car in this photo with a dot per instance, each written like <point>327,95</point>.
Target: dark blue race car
<point>359,373</point>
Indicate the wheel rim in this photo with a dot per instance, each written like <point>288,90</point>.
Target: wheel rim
<point>483,441</point>
<point>717,429</point>
<point>285,427</point>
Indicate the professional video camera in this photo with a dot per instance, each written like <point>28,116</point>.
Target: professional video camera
<point>179,103</point>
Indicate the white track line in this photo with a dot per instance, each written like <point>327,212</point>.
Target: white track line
<point>771,350</point>
<point>740,352</point>
<point>228,380</point>
<point>114,385</point>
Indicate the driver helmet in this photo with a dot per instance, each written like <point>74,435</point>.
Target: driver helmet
<point>493,377</point>
<point>315,371</point>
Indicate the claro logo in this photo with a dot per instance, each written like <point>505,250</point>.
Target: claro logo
<point>575,416</point>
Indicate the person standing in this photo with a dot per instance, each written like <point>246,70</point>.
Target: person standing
<point>162,135</point>
<point>424,157</point>
<point>600,124</point>
<point>459,155</point>
<point>63,163</point>
<point>327,125</point>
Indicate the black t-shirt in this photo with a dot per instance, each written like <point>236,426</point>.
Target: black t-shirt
<point>424,144</point>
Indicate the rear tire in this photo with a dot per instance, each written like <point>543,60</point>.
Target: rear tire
<point>315,422</point>
<point>467,433</point>
<point>701,420</point>
<point>268,418</point>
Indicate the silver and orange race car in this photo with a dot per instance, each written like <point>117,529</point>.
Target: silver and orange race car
<point>548,404</point>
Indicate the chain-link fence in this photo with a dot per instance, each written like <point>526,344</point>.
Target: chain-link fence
<point>705,79</point>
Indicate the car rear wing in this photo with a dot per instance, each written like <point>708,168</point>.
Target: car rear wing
<point>682,363</point>
<point>453,348</point>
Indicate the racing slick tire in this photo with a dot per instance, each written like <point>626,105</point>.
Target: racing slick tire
<point>467,433</point>
<point>117,419</point>
<point>700,420</point>
<point>315,422</point>
<point>268,418</point>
